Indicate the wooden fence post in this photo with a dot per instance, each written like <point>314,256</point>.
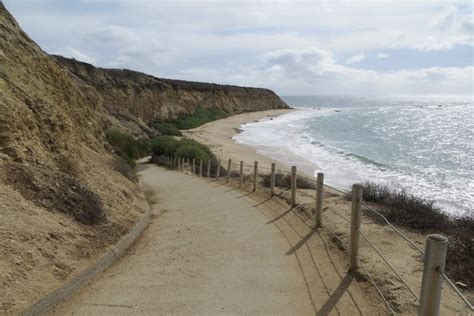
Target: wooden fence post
<point>272,180</point>
<point>209,168</point>
<point>319,199</point>
<point>194,166</point>
<point>228,170</point>
<point>218,172</point>
<point>293,186</point>
<point>200,168</point>
<point>433,269</point>
<point>241,173</point>
<point>255,175</point>
<point>355,227</point>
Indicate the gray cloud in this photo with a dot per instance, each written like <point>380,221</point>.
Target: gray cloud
<point>288,46</point>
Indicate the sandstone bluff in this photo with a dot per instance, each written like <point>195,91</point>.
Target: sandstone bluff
<point>64,196</point>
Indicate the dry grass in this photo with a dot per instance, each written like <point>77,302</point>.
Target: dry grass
<point>57,191</point>
<point>418,214</point>
<point>283,180</point>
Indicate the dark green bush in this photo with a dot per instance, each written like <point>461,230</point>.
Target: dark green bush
<point>193,143</point>
<point>190,148</point>
<point>164,145</point>
<point>189,151</point>
<point>185,148</point>
<point>166,128</point>
<point>126,146</point>
<point>199,117</point>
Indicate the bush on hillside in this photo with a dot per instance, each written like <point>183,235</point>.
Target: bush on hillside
<point>192,152</point>
<point>166,128</point>
<point>126,146</point>
<point>405,209</point>
<point>164,145</point>
<point>185,148</point>
<point>421,215</point>
<point>199,117</point>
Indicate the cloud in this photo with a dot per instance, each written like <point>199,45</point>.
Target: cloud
<point>289,46</point>
<point>355,59</point>
<point>316,71</point>
<point>71,52</point>
<point>383,55</point>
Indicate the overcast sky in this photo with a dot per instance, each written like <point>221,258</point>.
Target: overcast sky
<point>293,47</point>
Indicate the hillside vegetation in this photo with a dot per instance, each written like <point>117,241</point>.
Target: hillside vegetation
<point>418,214</point>
<point>67,132</point>
<point>134,100</point>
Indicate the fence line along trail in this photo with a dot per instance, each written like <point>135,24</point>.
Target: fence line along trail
<point>210,249</point>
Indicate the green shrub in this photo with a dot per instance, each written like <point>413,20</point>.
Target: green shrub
<point>189,151</point>
<point>190,148</point>
<point>164,145</point>
<point>126,146</point>
<point>184,148</point>
<point>193,143</point>
<point>199,117</point>
<point>283,180</point>
<point>166,128</point>
<point>405,209</point>
<point>418,214</point>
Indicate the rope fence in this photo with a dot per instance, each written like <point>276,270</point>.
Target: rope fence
<point>436,245</point>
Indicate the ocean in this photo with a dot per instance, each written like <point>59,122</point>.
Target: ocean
<point>421,144</point>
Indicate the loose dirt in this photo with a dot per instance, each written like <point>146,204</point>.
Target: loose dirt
<point>211,248</point>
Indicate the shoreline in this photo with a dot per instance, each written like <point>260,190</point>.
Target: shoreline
<point>219,136</point>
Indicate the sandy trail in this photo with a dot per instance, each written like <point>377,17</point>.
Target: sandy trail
<point>214,249</point>
<point>218,135</point>
<point>206,251</point>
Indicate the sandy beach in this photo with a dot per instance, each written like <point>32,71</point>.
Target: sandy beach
<point>218,136</point>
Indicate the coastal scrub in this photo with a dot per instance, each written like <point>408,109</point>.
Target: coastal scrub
<point>418,214</point>
<point>126,146</point>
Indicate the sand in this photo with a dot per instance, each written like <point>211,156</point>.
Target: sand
<point>336,210</point>
<point>224,254</point>
<point>216,248</point>
<point>218,136</point>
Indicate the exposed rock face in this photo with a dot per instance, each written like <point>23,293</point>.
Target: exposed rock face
<point>129,94</point>
<point>61,200</point>
<point>63,195</point>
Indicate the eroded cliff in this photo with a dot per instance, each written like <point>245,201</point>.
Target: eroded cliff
<point>62,199</point>
<point>64,196</point>
<point>137,99</point>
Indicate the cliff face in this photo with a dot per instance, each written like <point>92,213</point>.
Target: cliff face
<point>63,195</point>
<point>129,94</point>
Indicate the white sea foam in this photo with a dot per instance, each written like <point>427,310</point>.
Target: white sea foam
<point>406,148</point>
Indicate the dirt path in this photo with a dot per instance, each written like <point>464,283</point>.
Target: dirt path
<point>212,249</point>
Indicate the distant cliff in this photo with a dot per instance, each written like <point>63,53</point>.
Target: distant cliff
<point>64,195</point>
<point>129,95</point>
